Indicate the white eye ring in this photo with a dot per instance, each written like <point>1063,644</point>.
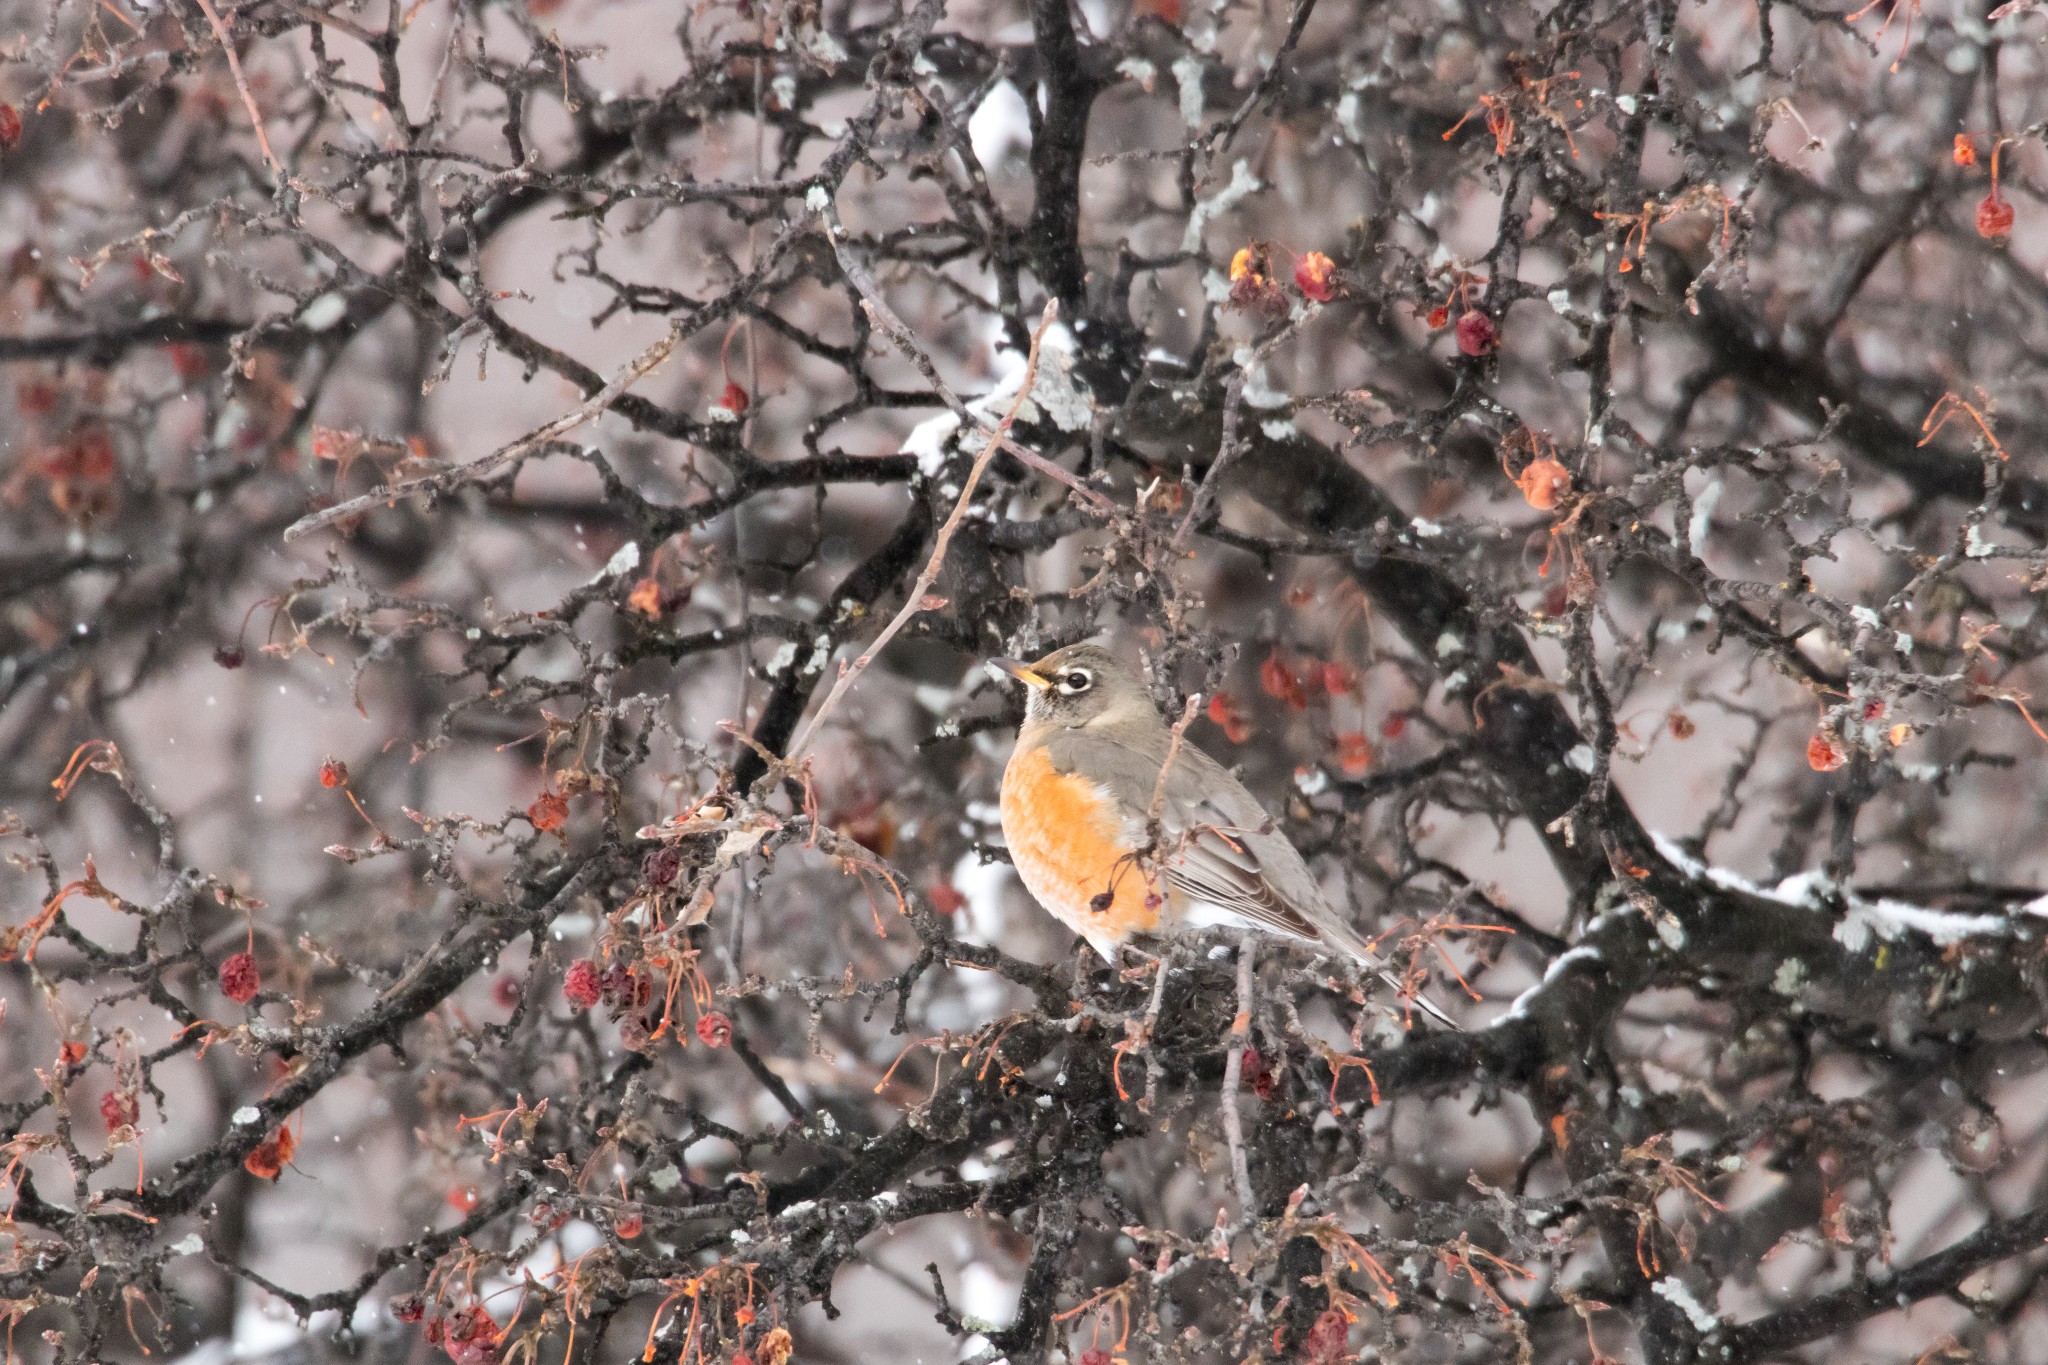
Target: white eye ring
<point>1075,680</point>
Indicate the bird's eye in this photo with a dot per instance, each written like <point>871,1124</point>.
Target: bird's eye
<point>1077,681</point>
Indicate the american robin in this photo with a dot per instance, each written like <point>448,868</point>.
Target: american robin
<point>1077,803</point>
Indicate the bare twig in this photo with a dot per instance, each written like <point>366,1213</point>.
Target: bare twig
<point>1229,448</point>
<point>1233,1074</point>
<point>642,365</point>
<point>915,601</point>
<point>884,317</point>
<point>227,45</point>
<point>1173,743</point>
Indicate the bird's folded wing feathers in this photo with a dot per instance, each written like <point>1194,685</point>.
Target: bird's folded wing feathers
<point>1214,837</point>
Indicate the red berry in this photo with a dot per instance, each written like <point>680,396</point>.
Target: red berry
<point>549,811</point>
<point>1994,216</point>
<point>714,1028</point>
<point>10,125</point>
<point>1095,1355</point>
<point>334,773</point>
<point>1314,276</point>
<point>628,1223</point>
<point>37,397</point>
<point>189,360</point>
<point>945,898</point>
<point>505,992</point>
<point>1354,754</point>
<point>1327,1339</point>
<point>1252,1067</point>
<point>733,398</point>
<point>1393,725</point>
<point>1277,677</point>
<point>230,656</point>
<point>119,1109</point>
<point>580,986</point>
<point>1824,754</point>
<point>408,1308</point>
<point>1477,335</point>
<point>1224,712</point>
<point>239,979</point>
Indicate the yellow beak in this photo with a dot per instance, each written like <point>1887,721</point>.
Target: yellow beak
<point>1022,673</point>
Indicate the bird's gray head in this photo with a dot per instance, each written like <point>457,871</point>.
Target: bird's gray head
<point>1081,685</point>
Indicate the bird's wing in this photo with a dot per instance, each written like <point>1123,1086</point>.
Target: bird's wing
<point>1216,841</point>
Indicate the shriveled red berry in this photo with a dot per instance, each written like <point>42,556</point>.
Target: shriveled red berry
<point>334,773</point>
<point>230,656</point>
<point>1476,333</point>
<point>714,1028</point>
<point>659,867</point>
<point>119,1109</point>
<point>10,125</point>
<point>945,898</point>
<point>733,398</point>
<point>239,979</point>
<point>580,984</point>
<point>1252,1067</point>
<point>1393,726</point>
<point>505,992</point>
<point>408,1308</point>
<point>628,1223</point>
<point>1327,1339</point>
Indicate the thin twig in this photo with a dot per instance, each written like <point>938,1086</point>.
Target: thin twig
<point>227,45</point>
<point>884,317</point>
<point>1226,133</point>
<point>1173,743</point>
<point>1155,1066</point>
<point>643,364</point>
<point>1233,1074</point>
<point>334,21</point>
<point>1226,455</point>
<point>930,573</point>
<point>1229,448</point>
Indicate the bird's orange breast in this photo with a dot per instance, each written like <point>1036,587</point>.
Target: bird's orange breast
<point>1066,837</point>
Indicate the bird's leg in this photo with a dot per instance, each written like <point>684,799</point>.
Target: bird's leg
<point>1233,1073</point>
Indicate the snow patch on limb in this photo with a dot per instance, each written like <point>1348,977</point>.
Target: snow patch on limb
<point>1520,1005</point>
<point>1890,920</point>
<point>1886,919</point>
<point>1674,1291</point>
